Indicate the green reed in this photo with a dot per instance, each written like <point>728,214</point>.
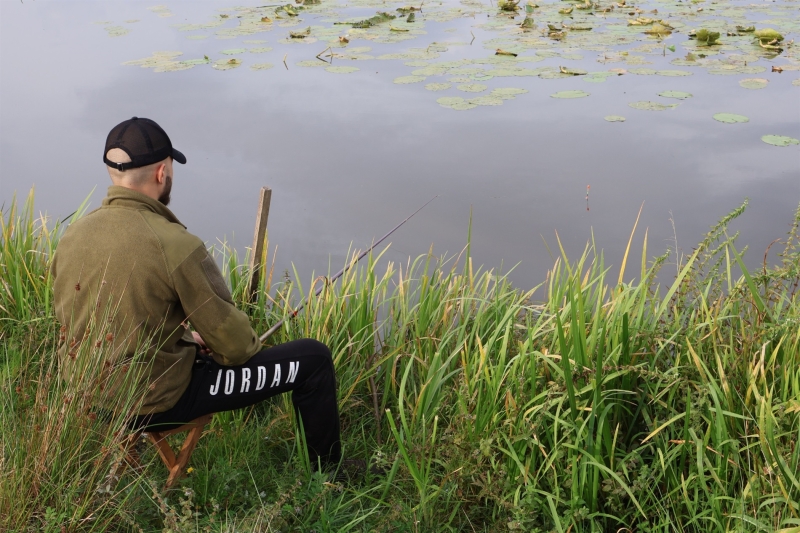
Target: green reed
<point>584,404</point>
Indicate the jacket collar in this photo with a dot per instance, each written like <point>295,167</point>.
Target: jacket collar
<point>119,196</point>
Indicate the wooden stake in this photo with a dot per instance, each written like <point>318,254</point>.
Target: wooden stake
<point>259,235</point>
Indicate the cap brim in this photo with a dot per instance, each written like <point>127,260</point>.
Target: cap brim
<point>178,156</point>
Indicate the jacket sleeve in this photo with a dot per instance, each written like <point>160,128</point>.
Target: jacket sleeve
<point>209,307</point>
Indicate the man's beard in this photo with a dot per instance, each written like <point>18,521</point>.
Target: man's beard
<point>164,198</point>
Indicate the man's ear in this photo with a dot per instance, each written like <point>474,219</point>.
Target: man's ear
<point>161,173</point>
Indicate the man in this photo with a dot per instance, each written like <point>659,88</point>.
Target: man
<point>134,260</point>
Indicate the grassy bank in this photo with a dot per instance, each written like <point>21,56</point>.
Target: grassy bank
<point>595,402</point>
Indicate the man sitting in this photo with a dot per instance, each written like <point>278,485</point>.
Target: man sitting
<point>133,255</point>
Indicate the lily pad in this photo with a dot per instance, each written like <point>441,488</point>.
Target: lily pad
<point>402,80</point>
<point>779,140</point>
<point>260,50</point>
<point>342,70</point>
<point>311,63</point>
<point>226,64</point>
<point>488,100</point>
<point>651,106</point>
<point>471,87</point>
<point>796,82</point>
<point>438,86</point>
<point>569,94</point>
<point>506,93</point>
<point>673,73</point>
<point>680,95</point>
<point>643,71</point>
<point>731,118</point>
<point>753,83</point>
<point>261,66</point>
<point>233,51</point>
<point>455,102</point>
<point>614,118</point>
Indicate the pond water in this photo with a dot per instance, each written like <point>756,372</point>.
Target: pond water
<point>431,110</point>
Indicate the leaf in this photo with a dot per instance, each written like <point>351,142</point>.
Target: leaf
<point>768,35</point>
<point>659,29</point>
<point>342,70</point>
<point>707,37</point>
<point>753,83</point>
<point>411,17</point>
<point>743,29</point>
<point>233,51</point>
<point>507,93</point>
<point>261,66</point>
<point>651,106</point>
<point>500,52</point>
<point>572,72</point>
<point>673,73</point>
<point>730,118</point>
<point>528,24</point>
<point>614,118</point>
<point>471,87</point>
<point>565,11</point>
<point>671,48</point>
<point>680,95</point>
<point>438,86</point>
<point>569,94</point>
<point>402,80</point>
<point>302,34</point>
<point>487,100</point>
<point>779,140</point>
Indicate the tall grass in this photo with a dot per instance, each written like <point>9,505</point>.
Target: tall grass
<point>589,403</point>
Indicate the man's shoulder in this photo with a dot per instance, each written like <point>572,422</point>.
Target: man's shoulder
<point>175,240</point>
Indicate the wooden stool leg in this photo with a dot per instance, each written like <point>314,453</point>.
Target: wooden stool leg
<point>177,465</point>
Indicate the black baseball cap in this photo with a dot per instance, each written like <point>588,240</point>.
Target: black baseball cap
<point>143,140</point>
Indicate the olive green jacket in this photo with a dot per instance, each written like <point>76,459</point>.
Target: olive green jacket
<point>129,275</point>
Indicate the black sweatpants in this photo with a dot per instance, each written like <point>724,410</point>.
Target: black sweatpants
<point>303,366</point>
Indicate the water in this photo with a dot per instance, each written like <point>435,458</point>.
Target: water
<point>349,156</point>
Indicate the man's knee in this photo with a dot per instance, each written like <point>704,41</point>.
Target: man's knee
<point>315,348</point>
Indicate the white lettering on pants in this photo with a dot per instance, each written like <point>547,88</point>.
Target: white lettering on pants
<point>245,380</point>
<point>276,378</point>
<point>215,388</point>
<point>230,377</point>
<point>262,378</point>
<point>294,367</point>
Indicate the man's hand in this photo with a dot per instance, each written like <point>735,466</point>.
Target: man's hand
<point>199,340</point>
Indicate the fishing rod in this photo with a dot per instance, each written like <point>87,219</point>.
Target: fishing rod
<point>339,274</point>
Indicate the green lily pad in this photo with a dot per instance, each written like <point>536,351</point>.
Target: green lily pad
<point>643,71</point>
<point>260,50</point>
<point>233,51</point>
<point>197,37</point>
<point>312,63</point>
<point>438,86</point>
<point>673,73</point>
<point>614,118</point>
<point>455,102</point>
<point>680,95</point>
<point>226,64</point>
<point>486,100</point>
<point>651,106</point>
<point>449,100</point>
<point>402,80</point>
<point>796,82</point>
<point>753,83</point>
<point>507,93</point>
<point>261,66</point>
<point>342,70</point>
<point>779,140</point>
<point>731,118</point>
<point>471,87</point>
<point>460,80</point>
<point>569,94</point>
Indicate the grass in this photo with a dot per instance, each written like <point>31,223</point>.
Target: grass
<point>589,403</point>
